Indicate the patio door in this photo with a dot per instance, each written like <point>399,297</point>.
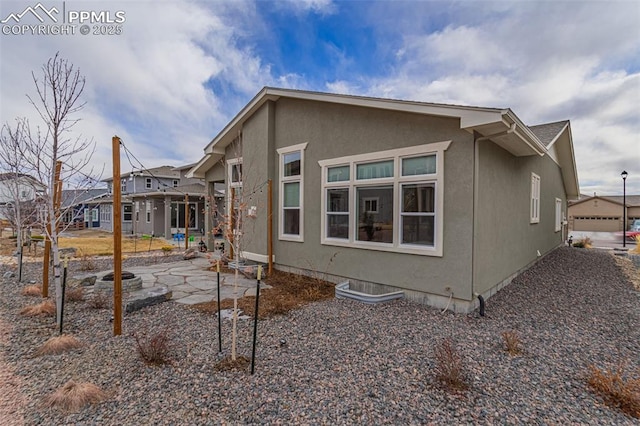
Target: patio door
<point>178,216</point>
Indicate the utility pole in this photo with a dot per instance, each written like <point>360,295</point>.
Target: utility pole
<point>57,195</point>
<point>186,221</point>
<point>117,240</point>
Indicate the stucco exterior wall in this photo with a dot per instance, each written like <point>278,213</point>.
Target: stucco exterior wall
<point>505,239</point>
<point>258,159</point>
<point>338,130</point>
<point>595,215</point>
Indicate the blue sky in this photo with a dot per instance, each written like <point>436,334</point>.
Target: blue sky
<point>181,70</point>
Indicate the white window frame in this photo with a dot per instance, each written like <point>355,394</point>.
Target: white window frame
<point>371,201</point>
<point>291,179</point>
<point>148,212</point>
<point>559,215</point>
<point>176,182</point>
<point>230,164</point>
<point>94,215</point>
<point>123,185</point>
<point>534,208</point>
<point>397,181</point>
<point>148,184</point>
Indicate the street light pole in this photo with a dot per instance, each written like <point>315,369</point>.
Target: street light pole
<point>624,175</point>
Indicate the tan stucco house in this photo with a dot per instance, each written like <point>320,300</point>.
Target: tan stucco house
<point>441,202</point>
<point>603,213</point>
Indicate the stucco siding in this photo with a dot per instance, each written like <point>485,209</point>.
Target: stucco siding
<point>257,164</point>
<point>505,239</point>
<point>333,131</point>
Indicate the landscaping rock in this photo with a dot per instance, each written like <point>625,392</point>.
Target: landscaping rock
<point>69,251</point>
<point>190,253</point>
<point>82,280</point>
<point>147,297</point>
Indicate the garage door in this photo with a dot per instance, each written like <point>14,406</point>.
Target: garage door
<point>597,224</point>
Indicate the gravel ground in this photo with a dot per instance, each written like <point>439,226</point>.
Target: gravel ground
<point>348,363</point>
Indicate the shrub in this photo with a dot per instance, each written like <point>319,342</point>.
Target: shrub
<point>617,388</point>
<point>449,367</point>
<point>166,250</point>
<point>583,243</point>
<point>512,342</point>
<point>71,397</point>
<point>155,349</point>
<point>87,263</point>
<point>59,344</point>
<point>75,294</point>
<point>636,250</point>
<point>32,290</point>
<point>46,308</point>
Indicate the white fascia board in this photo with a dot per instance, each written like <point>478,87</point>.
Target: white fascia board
<point>201,167</point>
<point>525,134</point>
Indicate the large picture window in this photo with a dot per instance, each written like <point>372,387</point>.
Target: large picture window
<point>388,200</point>
<point>291,192</point>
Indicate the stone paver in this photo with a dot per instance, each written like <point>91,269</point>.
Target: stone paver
<point>192,282</point>
<point>195,299</point>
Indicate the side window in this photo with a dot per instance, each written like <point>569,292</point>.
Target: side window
<point>535,198</point>
<point>291,192</point>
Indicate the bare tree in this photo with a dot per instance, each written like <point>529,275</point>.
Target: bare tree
<point>237,223</point>
<point>58,101</point>
<point>18,189</point>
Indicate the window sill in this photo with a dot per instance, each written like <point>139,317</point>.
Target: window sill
<point>404,249</point>
<point>292,238</point>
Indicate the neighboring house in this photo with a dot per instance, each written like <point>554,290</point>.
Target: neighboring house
<point>24,186</point>
<point>440,201</point>
<point>80,208</point>
<point>153,202</point>
<point>602,213</point>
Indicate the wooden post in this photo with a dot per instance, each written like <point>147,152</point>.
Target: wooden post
<point>186,221</point>
<point>56,194</point>
<point>117,239</point>
<point>270,225</point>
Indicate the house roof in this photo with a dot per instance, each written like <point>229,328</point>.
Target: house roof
<point>500,125</point>
<point>79,196</point>
<point>33,181</point>
<point>632,200</point>
<point>168,172</point>
<point>549,132</point>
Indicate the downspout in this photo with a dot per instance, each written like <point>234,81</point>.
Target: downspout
<point>476,154</point>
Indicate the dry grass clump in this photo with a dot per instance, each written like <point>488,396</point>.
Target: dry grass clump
<point>512,342</point>
<point>59,344</point>
<point>241,362</point>
<point>289,291</point>
<point>449,366</point>
<point>154,349</point>
<point>87,262</point>
<point>46,308</point>
<point>617,388</point>
<point>32,290</point>
<point>73,396</point>
<point>585,242</point>
<point>74,294</point>
<point>99,300</point>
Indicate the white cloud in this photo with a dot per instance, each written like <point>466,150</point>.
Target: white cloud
<point>546,61</point>
<point>148,85</point>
